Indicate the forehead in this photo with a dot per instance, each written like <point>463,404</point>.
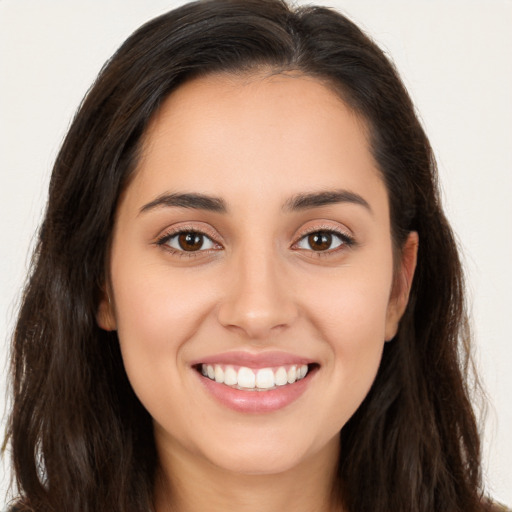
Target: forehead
<point>254,134</point>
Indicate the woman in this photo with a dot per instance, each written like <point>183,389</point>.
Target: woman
<point>245,293</point>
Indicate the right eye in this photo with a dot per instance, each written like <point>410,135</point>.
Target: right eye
<point>187,241</point>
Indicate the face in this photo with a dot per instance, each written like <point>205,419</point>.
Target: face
<point>251,272</point>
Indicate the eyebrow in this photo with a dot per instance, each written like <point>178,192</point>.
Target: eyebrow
<point>188,200</point>
<point>299,202</point>
<point>318,199</point>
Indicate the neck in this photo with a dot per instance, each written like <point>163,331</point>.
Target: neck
<point>188,483</point>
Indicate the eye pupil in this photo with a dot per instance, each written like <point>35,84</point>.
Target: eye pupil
<point>320,241</point>
<point>190,241</point>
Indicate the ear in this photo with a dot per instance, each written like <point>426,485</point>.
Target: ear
<point>105,316</point>
<point>402,285</point>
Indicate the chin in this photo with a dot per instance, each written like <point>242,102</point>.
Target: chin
<point>266,455</point>
<point>260,464</point>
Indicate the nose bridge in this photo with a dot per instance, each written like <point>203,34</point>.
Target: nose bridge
<point>256,300</point>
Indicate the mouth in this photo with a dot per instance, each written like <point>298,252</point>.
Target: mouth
<point>244,378</point>
<point>255,383</point>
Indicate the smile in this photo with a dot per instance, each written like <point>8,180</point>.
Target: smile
<point>247,379</point>
<point>255,383</point>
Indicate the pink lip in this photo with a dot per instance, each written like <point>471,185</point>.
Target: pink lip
<point>260,360</point>
<point>256,401</point>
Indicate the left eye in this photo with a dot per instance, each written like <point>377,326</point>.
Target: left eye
<point>190,241</point>
<point>321,241</point>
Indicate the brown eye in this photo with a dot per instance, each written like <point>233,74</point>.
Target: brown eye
<point>320,241</point>
<point>323,241</point>
<point>188,241</point>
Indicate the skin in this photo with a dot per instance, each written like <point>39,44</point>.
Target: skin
<point>255,143</point>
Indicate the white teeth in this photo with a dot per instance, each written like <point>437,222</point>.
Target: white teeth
<point>219,374</point>
<point>230,376</point>
<point>265,378</point>
<point>248,379</point>
<point>281,377</point>
<point>292,374</point>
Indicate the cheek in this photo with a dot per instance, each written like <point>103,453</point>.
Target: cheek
<point>157,313</point>
<point>350,308</point>
<point>156,305</point>
<point>349,314</point>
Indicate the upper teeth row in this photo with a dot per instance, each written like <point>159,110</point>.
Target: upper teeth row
<point>246,378</point>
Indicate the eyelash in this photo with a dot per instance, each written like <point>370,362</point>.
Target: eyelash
<point>164,240</point>
<point>345,241</point>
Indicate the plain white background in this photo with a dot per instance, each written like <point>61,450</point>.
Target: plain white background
<point>456,60</point>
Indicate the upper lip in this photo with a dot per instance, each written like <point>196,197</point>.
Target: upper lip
<point>254,360</point>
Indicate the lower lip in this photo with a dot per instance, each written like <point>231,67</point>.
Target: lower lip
<point>256,401</point>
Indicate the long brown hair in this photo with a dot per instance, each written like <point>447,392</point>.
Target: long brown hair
<point>81,440</point>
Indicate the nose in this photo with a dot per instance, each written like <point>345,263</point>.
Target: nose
<point>258,299</point>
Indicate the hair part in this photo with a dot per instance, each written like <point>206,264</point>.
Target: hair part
<point>81,440</point>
